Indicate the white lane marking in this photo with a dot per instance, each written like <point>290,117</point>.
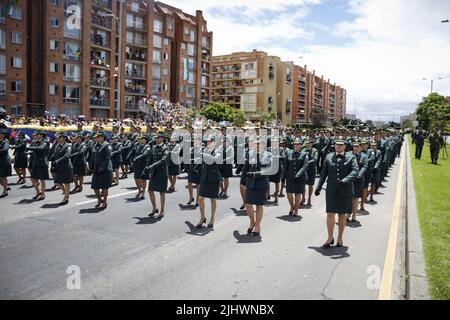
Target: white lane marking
<point>109,197</point>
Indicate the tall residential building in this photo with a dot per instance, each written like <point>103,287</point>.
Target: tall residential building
<point>253,82</point>
<point>256,83</point>
<point>87,55</point>
<point>13,56</point>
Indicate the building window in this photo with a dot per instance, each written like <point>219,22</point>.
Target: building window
<point>205,42</point>
<point>166,56</point>
<point>71,72</point>
<point>135,7</point>
<point>165,87</point>
<point>165,71</point>
<point>53,89</point>
<point>2,89</point>
<point>72,51</point>
<point>186,30</point>
<point>156,56</point>
<point>156,87</point>
<point>190,92</point>
<point>16,86</point>
<point>157,26</point>
<point>70,3</point>
<point>183,46</point>
<point>156,72</point>
<point>54,22</point>
<point>169,24</point>
<point>16,12</point>
<point>16,62</point>
<point>192,35</point>
<point>16,110</point>
<point>54,44</point>
<point>2,13</point>
<point>16,37</point>
<point>190,50</point>
<point>2,39</point>
<point>166,41</point>
<point>72,111</point>
<point>54,67</point>
<point>54,2</point>
<point>71,94</point>
<point>156,41</point>
<point>2,64</point>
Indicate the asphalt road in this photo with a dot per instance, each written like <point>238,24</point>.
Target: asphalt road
<point>123,254</point>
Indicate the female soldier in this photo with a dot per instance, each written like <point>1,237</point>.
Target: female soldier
<point>52,164</point>
<point>126,149</point>
<point>312,158</point>
<point>5,162</point>
<point>140,154</point>
<point>209,180</point>
<point>276,178</point>
<point>39,164</point>
<point>158,167</point>
<point>194,172</point>
<point>295,174</point>
<point>63,166</point>
<point>368,176</point>
<point>256,184</point>
<point>358,183</point>
<point>20,157</point>
<point>78,162</point>
<point>116,157</point>
<point>340,169</point>
<point>101,169</point>
<point>226,168</point>
<point>174,167</point>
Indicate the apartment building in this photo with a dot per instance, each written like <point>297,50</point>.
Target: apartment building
<point>13,56</point>
<point>256,82</point>
<point>253,82</point>
<point>106,58</point>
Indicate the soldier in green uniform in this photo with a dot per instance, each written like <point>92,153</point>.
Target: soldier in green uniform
<point>312,159</point>
<point>139,155</point>
<point>256,184</point>
<point>63,166</point>
<point>5,162</point>
<point>436,142</point>
<point>157,166</point>
<point>127,145</point>
<point>174,161</point>
<point>39,150</point>
<point>210,179</point>
<point>275,150</point>
<point>226,168</point>
<point>340,169</point>
<point>20,157</point>
<point>101,169</point>
<point>377,158</point>
<point>194,171</point>
<point>282,162</point>
<point>295,174</point>
<point>116,157</point>
<point>368,175</point>
<point>78,158</point>
<point>358,182</point>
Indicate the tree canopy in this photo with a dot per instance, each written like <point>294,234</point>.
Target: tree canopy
<point>433,112</point>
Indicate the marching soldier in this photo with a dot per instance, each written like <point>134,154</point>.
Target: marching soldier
<point>436,142</point>
<point>419,141</point>
<point>52,164</point>
<point>321,145</point>
<point>39,150</point>
<point>226,168</point>
<point>194,172</point>
<point>63,166</point>
<point>210,180</point>
<point>116,157</point>
<point>78,158</point>
<point>158,167</point>
<point>5,162</point>
<point>368,175</point>
<point>126,149</point>
<point>256,184</point>
<point>340,169</point>
<point>295,174</point>
<point>376,169</point>
<point>312,158</point>
<point>102,170</point>
<point>175,151</point>
<point>276,177</point>
<point>20,157</point>
<point>358,182</point>
<point>140,154</point>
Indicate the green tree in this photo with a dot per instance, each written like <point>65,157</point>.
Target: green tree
<point>433,112</point>
<point>268,117</point>
<point>218,112</point>
<point>239,118</point>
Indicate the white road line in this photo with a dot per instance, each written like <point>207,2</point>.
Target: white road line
<point>109,197</point>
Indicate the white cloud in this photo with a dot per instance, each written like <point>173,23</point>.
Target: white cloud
<point>386,49</point>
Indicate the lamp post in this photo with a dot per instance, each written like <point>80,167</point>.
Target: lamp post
<point>119,67</point>
<point>432,82</point>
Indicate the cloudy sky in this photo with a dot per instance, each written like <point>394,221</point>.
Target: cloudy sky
<point>379,50</point>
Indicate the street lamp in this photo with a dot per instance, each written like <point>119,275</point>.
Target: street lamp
<point>432,82</point>
<point>119,71</point>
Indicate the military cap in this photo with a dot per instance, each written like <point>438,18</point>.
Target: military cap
<point>115,136</point>
<point>297,141</point>
<point>62,134</point>
<point>208,138</point>
<point>364,141</point>
<point>373,143</point>
<point>356,143</point>
<point>21,133</point>
<point>41,132</point>
<point>339,141</point>
<point>100,134</point>
<point>143,136</point>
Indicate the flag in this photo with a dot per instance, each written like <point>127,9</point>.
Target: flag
<point>9,7</point>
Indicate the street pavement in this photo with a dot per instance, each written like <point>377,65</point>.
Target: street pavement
<point>123,254</point>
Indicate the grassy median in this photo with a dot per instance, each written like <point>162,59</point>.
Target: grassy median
<point>432,187</point>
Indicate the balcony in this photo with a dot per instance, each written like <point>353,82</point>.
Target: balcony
<point>103,22</point>
<point>141,90</point>
<point>71,78</point>
<point>71,100</point>
<point>104,4</point>
<point>99,101</point>
<point>3,96</point>
<point>135,74</point>
<point>131,106</point>
<point>137,26</point>
<point>98,40</point>
<point>99,82</point>
<point>205,57</point>
<point>137,42</point>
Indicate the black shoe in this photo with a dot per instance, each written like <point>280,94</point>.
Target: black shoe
<point>338,245</point>
<point>63,203</point>
<point>160,216</point>
<point>211,225</point>
<point>200,225</point>
<point>249,231</point>
<point>153,212</point>
<point>291,213</point>
<point>354,221</point>
<point>98,204</point>
<point>242,208</point>
<point>256,234</point>
<point>197,205</point>
<point>327,245</point>
<point>190,202</point>
<point>41,197</point>
<point>36,196</point>
<point>4,195</point>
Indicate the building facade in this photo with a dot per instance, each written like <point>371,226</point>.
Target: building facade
<point>13,56</point>
<point>256,82</point>
<point>106,58</point>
